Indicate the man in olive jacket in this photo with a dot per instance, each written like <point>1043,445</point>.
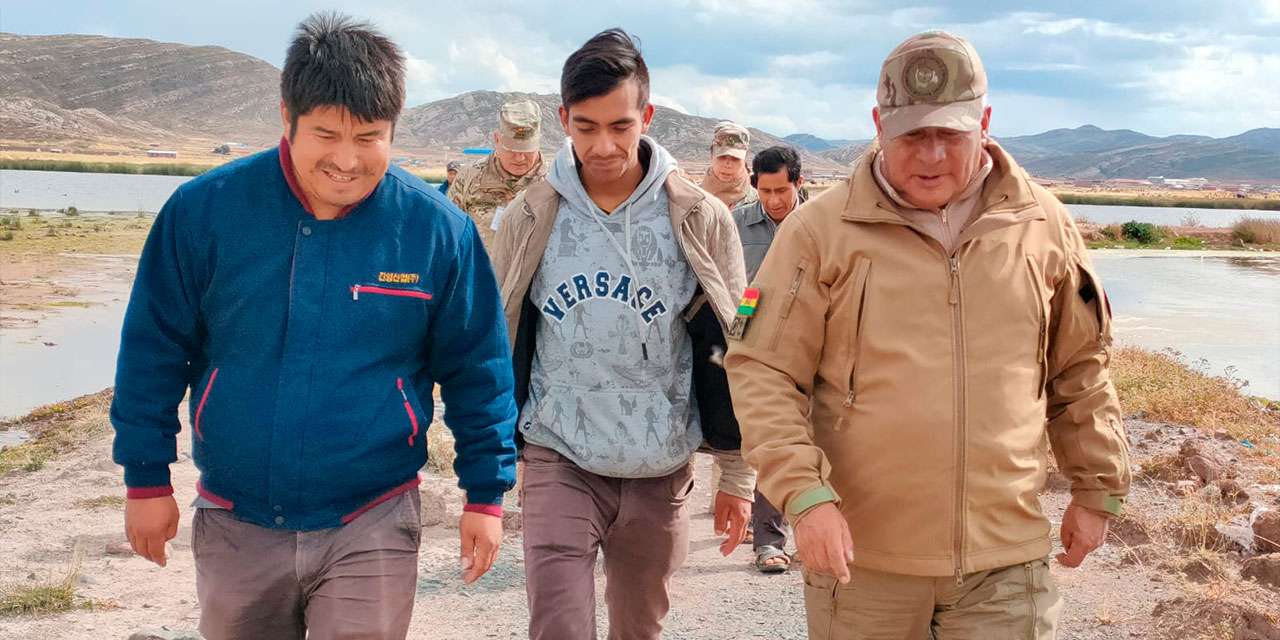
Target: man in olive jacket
<point>914,341</point>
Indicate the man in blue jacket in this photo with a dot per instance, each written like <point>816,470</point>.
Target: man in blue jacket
<point>311,297</point>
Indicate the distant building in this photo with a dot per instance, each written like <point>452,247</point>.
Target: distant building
<point>1186,183</point>
<point>1156,179</point>
<point>157,153</point>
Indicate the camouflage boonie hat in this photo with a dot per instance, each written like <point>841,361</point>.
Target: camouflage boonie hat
<point>518,126</point>
<point>932,79</point>
<point>731,139</point>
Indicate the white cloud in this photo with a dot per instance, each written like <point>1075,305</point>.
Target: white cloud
<point>1215,89</point>
<point>804,62</point>
<point>781,105</point>
<point>1097,28</point>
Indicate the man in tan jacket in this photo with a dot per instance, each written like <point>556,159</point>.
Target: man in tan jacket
<point>916,339</point>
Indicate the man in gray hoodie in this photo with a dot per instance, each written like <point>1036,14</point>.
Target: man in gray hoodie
<point>615,273</point>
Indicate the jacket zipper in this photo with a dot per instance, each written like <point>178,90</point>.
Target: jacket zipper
<point>404,293</point>
<point>1042,338</point>
<point>203,398</point>
<point>786,305</point>
<point>408,408</point>
<point>862,279</point>
<point>957,314</point>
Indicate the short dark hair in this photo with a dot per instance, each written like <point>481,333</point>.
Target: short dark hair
<point>335,60</point>
<point>773,159</point>
<point>600,65</point>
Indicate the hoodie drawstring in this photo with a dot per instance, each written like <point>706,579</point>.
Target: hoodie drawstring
<point>631,267</point>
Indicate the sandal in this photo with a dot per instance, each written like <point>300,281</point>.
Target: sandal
<point>769,552</point>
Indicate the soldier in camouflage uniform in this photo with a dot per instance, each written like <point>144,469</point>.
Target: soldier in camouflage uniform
<point>484,188</point>
<point>727,178</point>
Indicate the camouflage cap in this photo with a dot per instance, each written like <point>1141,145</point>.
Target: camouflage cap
<point>932,79</point>
<point>731,139</point>
<point>452,166</point>
<point>519,126</point>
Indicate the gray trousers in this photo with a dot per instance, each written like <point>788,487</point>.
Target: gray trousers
<point>354,581</point>
<point>571,515</point>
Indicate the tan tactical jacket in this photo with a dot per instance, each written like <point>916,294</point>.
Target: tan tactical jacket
<point>920,389</point>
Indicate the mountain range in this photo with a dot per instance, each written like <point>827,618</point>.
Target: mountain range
<point>1091,153</point>
<point>79,90</point>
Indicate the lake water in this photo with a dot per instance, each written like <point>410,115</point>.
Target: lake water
<point>51,190</point>
<point>1166,216</point>
<point>1222,307</point>
<point>48,190</point>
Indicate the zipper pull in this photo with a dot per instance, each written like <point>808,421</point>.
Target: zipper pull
<point>644,350</point>
<point>959,577</point>
<point>355,292</point>
<point>955,282</point>
<point>848,400</point>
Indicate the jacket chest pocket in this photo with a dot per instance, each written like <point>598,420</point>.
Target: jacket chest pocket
<point>395,292</point>
<point>788,299</point>
<point>1041,303</point>
<point>398,313</point>
<point>858,286</point>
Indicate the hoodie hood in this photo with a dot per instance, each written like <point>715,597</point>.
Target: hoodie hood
<point>564,177</point>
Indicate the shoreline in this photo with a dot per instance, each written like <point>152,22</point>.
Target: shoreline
<point>144,166</point>
<point>1169,201</point>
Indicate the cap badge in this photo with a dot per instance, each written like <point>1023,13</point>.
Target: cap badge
<point>924,76</point>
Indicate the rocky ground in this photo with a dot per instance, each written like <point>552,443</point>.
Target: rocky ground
<point>1196,558</point>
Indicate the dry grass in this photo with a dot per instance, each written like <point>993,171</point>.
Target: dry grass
<point>440,453</point>
<point>430,175</point>
<point>115,235</point>
<point>1163,387</point>
<point>100,502</point>
<point>1166,467</point>
<point>44,596</point>
<point>1256,231</point>
<point>57,428</point>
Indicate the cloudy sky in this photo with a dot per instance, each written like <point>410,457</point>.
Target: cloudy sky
<point>787,66</point>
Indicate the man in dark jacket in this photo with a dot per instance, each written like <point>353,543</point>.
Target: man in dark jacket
<point>311,297</point>
<point>451,171</point>
<point>775,174</point>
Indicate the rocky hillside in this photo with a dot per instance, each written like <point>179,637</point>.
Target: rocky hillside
<point>85,87</point>
<point>469,120</point>
<point>57,89</point>
<point>88,88</point>
<point>1089,152</point>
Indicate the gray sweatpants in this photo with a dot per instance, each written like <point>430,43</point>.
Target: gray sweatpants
<point>570,515</point>
<point>353,581</point>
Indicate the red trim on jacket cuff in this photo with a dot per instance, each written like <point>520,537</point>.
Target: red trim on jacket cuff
<point>143,493</point>
<point>494,510</point>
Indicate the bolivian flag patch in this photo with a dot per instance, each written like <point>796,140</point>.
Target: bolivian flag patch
<point>748,305</point>
<point>746,309</point>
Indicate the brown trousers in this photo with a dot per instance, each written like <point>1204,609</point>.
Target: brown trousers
<point>1019,602</point>
<point>570,515</point>
<point>354,581</point>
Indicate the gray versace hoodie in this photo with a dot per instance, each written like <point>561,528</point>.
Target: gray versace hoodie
<point>611,378</point>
